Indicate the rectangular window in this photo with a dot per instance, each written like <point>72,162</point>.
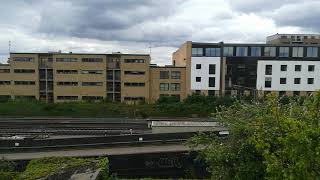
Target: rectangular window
<point>228,51</point>
<point>297,80</point>
<point>296,93</point>
<point>175,75</point>
<point>282,93</point>
<point>5,83</point>
<point>268,70</point>
<point>24,82</point>
<point>212,69</point>
<point>66,59</point>
<point>198,79</point>
<point>4,70</point>
<point>92,98</point>
<point>134,84</point>
<point>69,98</point>
<point>310,80</point>
<point>164,74</point>
<point>270,51</point>
<point>297,52</point>
<point>255,51</point>
<point>312,52</point>
<point>67,83</point>
<point>284,67</point>
<point>242,51</point>
<point>134,61</point>
<point>134,72</point>
<point>117,75</point>
<point>92,59</point>
<point>134,98</point>
<point>196,52</point>
<point>198,66</point>
<point>109,86</point>
<point>92,83</point>
<point>297,67</point>
<point>212,82</point>
<point>24,71</point>
<point>23,59</point>
<point>109,75</point>
<point>175,86</point>
<point>213,52</point>
<point>283,51</point>
<point>311,68</point>
<point>67,71</point>
<point>91,71</point>
<point>267,82</point>
<point>283,80</point>
<point>211,92</point>
<point>164,86</point>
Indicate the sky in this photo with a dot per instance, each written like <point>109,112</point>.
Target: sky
<point>133,26</point>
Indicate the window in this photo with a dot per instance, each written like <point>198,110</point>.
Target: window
<point>24,82</point>
<point>212,69</point>
<point>297,67</point>
<point>198,91</point>
<point>284,52</point>
<point>211,92</point>
<point>175,75</point>
<point>228,51</point>
<point>212,82</point>
<point>5,83</point>
<point>4,70</point>
<point>67,83</point>
<point>67,71</point>
<point>92,98</point>
<point>134,61</point>
<point>297,52</point>
<point>109,86</point>
<point>109,75</point>
<point>268,70</point>
<point>213,52</point>
<point>282,93</point>
<point>284,67</point>
<point>117,75</point>
<point>197,52</point>
<point>164,86</point>
<point>92,59</point>
<point>198,79</point>
<point>198,66</point>
<point>312,52</point>
<point>255,51</point>
<point>69,98</point>
<point>296,93</point>
<point>66,60</point>
<point>134,84</point>
<point>175,86</point>
<point>134,98</point>
<point>242,51</point>
<point>164,74</point>
<point>270,51</point>
<point>311,68</point>
<point>134,72</point>
<point>310,80</point>
<point>283,80</point>
<point>92,83</point>
<point>91,71</point>
<point>23,59</point>
<point>297,80</point>
<point>267,82</point>
<point>24,71</point>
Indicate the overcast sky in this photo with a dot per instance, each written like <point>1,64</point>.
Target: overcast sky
<point>128,26</point>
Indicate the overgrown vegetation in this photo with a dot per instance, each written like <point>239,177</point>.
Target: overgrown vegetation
<point>46,167</point>
<point>278,138</point>
<point>194,105</point>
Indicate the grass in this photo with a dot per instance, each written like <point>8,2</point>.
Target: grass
<point>40,168</point>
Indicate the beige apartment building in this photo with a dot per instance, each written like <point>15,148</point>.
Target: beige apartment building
<point>63,77</point>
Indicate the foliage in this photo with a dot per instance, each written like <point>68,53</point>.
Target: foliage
<point>274,139</point>
<point>104,165</point>
<point>39,168</point>
<point>7,170</point>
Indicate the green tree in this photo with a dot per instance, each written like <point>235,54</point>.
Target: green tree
<point>268,140</point>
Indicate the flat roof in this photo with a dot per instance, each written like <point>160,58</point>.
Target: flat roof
<point>51,53</point>
<point>253,44</point>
